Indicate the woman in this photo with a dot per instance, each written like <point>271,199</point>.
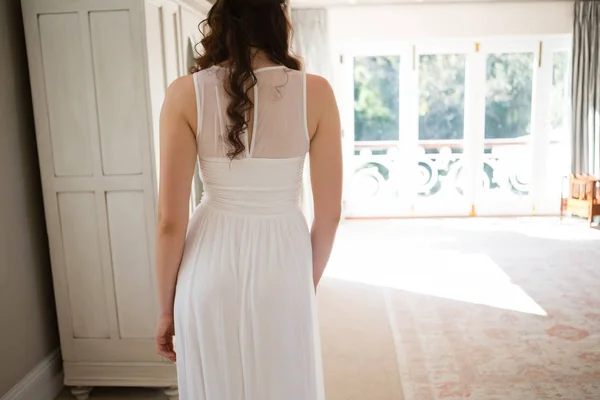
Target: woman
<point>237,284</point>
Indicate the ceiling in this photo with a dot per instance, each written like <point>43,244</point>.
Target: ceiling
<point>349,3</point>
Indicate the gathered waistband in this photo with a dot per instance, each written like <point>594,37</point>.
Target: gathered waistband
<point>251,203</point>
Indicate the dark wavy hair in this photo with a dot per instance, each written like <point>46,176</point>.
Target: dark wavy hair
<point>234,31</point>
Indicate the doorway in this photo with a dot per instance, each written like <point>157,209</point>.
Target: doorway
<point>456,127</point>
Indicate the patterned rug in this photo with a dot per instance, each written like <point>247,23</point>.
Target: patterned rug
<point>484,309</point>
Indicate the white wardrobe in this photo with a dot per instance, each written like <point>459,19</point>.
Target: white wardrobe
<point>99,70</point>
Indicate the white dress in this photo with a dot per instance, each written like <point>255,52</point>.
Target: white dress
<point>245,317</point>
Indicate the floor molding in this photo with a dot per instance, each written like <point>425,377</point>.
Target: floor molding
<point>44,382</point>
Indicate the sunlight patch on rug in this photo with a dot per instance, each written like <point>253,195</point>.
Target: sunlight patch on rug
<point>472,278</point>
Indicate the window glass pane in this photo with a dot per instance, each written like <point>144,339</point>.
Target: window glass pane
<point>558,97</point>
<point>376,114</point>
<point>509,92</point>
<point>442,96</point>
<point>507,165</point>
<point>559,164</point>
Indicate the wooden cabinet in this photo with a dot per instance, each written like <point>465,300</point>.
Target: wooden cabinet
<point>99,70</point>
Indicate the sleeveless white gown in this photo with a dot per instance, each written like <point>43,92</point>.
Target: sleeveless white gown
<point>245,317</point>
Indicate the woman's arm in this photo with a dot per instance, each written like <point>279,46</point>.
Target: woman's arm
<point>325,172</point>
<point>177,163</point>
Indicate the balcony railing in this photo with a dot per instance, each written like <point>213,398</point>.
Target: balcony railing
<point>439,169</point>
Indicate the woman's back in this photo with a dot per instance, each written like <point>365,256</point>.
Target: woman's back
<point>278,122</point>
<point>266,178</point>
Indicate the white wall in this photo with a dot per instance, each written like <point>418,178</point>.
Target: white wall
<point>393,22</point>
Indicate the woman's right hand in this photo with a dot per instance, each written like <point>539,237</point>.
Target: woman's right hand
<point>165,333</point>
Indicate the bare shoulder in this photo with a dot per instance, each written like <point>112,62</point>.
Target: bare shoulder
<point>180,91</point>
<point>317,86</point>
<point>180,100</point>
<point>319,93</point>
<point>321,105</point>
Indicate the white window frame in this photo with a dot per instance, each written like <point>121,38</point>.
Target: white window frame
<point>476,50</point>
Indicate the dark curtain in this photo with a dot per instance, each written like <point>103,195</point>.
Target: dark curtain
<point>586,88</point>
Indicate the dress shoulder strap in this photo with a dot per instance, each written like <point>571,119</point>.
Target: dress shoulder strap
<point>199,89</point>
